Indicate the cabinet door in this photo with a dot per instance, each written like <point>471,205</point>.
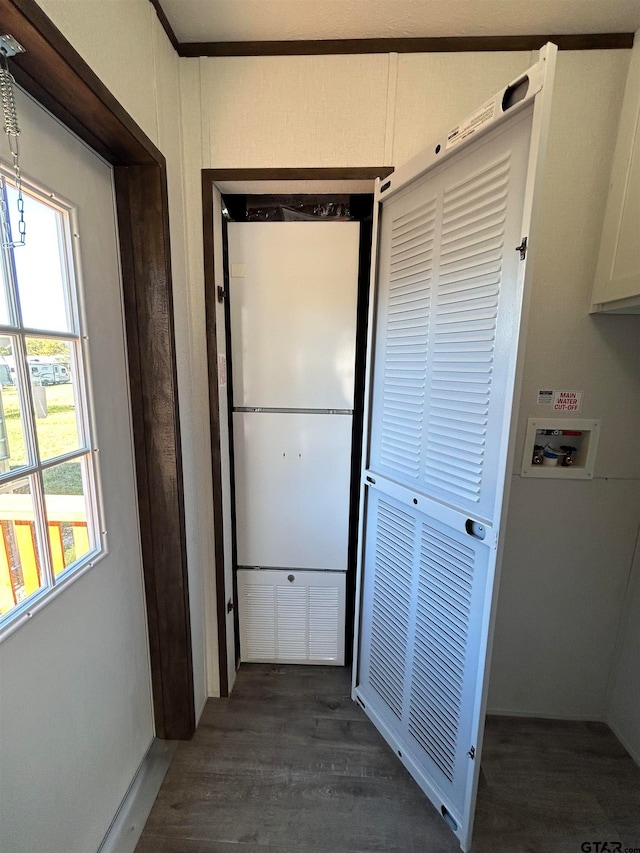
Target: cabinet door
<point>449,292</point>
<point>617,282</point>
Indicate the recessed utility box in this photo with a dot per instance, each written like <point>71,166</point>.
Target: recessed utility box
<point>560,449</point>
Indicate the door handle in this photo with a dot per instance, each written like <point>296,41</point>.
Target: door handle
<point>475,529</point>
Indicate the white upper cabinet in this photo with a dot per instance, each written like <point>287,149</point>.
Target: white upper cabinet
<point>617,283</point>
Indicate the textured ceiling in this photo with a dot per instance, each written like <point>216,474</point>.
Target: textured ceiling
<point>277,20</point>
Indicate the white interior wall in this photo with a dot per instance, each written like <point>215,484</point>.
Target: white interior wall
<point>76,715</point>
<point>115,38</point>
<point>569,545</point>
<point>124,44</point>
<point>85,709</point>
<point>624,709</point>
<point>294,110</point>
<point>434,91</point>
<point>203,490</point>
<point>623,713</point>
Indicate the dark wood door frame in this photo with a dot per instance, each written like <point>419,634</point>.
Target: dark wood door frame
<point>209,179</point>
<point>55,74</point>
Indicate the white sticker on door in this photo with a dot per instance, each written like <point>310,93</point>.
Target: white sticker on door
<point>222,370</point>
<point>472,125</point>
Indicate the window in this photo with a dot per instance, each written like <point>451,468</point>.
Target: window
<point>49,515</point>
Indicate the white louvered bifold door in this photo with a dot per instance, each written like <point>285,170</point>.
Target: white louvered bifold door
<point>449,295</point>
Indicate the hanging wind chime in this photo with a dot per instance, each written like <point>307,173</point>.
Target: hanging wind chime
<point>10,47</point>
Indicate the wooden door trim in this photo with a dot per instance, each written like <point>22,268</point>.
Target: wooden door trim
<point>209,179</point>
<point>56,75</point>
<point>327,173</point>
<point>214,422</point>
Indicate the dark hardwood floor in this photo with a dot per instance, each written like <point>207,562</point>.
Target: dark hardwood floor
<point>290,764</point>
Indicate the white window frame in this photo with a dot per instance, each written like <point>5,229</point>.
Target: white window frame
<point>88,450</point>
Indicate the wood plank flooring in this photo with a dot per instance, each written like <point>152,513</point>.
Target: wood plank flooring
<point>289,764</point>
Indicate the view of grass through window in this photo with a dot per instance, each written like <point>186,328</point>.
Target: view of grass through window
<point>46,486</point>
<point>59,426</point>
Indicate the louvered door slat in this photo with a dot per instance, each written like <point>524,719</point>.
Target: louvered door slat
<point>419,610</point>
<point>259,603</point>
<point>446,618</point>
<point>406,339</point>
<point>324,623</point>
<point>470,278</point>
<point>392,553</point>
<point>291,617</point>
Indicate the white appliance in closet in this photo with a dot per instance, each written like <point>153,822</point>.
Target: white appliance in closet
<point>293,299</point>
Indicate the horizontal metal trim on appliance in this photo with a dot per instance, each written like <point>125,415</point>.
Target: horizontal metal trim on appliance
<point>287,569</point>
<point>285,411</point>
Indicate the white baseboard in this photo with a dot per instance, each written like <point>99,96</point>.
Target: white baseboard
<point>632,750</point>
<point>200,712</point>
<point>128,823</point>
<point>541,715</point>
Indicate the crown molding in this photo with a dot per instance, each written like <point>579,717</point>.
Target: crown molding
<point>455,44</point>
<point>166,26</point>
<point>440,44</point>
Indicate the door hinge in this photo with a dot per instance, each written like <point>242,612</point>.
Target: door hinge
<point>9,46</point>
<point>472,753</point>
<point>229,606</point>
<point>221,294</point>
<point>522,248</point>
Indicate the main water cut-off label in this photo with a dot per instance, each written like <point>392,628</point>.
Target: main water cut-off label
<point>567,401</point>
